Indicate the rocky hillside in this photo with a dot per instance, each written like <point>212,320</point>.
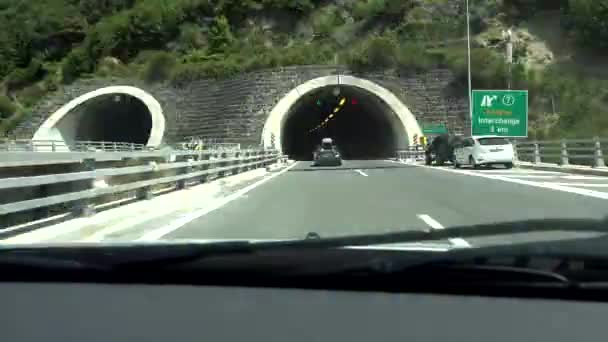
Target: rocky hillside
<point>560,46</point>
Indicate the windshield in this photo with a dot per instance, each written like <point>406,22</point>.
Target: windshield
<point>493,141</point>
<point>142,121</point>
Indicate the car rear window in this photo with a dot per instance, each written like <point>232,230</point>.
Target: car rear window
<point>493,141</point>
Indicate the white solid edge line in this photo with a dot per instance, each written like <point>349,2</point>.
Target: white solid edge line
<point>529,176</point>
<point>175,225</point>
<point>431,222</point>
<point>361,173</point>
<point>545,185</point>
<point>582,177</point>
<point>591,185</point>
<point>521,171</point>
<point>100,235</point>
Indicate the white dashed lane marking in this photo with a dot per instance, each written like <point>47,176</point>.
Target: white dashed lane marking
<point>431,222</point>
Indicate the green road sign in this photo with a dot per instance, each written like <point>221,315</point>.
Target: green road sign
<point>500,112</point>
<point>434,128</point>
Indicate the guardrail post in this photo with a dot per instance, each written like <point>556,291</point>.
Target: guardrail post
<point>515,155</point>
<point>262,158</point>
<point>245,155</point>
<point>183,183</point>
<point>223,155</point>
<point>145,193</point>
<point>84,207</point>
<point>204,167</point>
<point>564,154</point>
<point>237,163</point>
<point>599,157</point>
<point>537,158</point>
<point>277,158</point>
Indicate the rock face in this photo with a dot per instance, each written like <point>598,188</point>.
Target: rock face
<point>235,110</point>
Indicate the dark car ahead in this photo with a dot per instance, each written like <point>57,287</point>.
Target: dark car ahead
<point>327,154</point>
<point>441,149</point>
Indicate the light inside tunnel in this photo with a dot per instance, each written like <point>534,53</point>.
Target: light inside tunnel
<point>361,125</point>
<point>111,117</point>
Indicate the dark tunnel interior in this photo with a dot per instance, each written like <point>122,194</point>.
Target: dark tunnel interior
<point>114,117</point>
<point>362,128</point>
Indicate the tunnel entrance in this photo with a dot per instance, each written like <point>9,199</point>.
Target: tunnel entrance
<point>114,113</point>
<point>113,117</point>
<point>361,125</point>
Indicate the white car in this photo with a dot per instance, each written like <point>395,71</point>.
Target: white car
<point>484,150</point>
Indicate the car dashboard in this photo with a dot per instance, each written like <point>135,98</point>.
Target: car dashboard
<point>118,312</point>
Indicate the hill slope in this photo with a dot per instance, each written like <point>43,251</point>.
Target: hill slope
<point>59,41</point>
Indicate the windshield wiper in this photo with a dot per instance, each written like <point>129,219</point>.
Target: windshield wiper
<point>481,230</point>
<point>115,258</point>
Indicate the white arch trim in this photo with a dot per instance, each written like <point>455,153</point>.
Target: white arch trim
<point>47,130</point>
<point>278,114</point>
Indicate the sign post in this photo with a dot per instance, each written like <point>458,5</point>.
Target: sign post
<point>500,112</point>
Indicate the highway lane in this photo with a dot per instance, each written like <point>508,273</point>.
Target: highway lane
<point>381,196</point>
<point>331,201</point>
<point>364,197</point>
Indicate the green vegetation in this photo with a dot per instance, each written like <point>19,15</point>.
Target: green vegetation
<point>176,41</point>
<point>7,108</point>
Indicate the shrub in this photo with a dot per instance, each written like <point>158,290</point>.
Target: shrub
<point>588,19</point>
<point>74,65</point>
<point>7,107</point>
<point>414,56</point>
<point>159,67</point>
<point>190,37</point>
<point>365,9</point>
<point>377,52</point>
<point>24,76</point>
<point>29,96</point>
<point>325,23</point>
<point>220,35</point>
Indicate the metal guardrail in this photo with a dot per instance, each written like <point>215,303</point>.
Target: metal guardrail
<point>412,153</point>
<point>587,152</point>
<point>186,171</point>
<point>26,145</point>
<point>202,144</point>
<point>584,152</point>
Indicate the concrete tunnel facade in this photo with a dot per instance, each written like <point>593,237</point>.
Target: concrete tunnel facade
<point>115,113</point>
<point>374,126</point>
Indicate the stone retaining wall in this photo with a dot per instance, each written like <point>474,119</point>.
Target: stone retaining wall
<point>234,110</point>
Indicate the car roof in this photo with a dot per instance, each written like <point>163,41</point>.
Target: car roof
<point>487,136</point>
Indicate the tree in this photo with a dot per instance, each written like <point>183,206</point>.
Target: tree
<point>588,19</point>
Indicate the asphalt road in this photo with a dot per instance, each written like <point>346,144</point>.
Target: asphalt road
<point>362,197</point>
<point>382,196</point>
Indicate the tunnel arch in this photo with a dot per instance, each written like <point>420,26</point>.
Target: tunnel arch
<point>403,123</point>
<point>68,122</point>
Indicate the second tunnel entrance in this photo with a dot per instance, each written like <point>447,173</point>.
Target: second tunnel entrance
<point>360,123</point>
